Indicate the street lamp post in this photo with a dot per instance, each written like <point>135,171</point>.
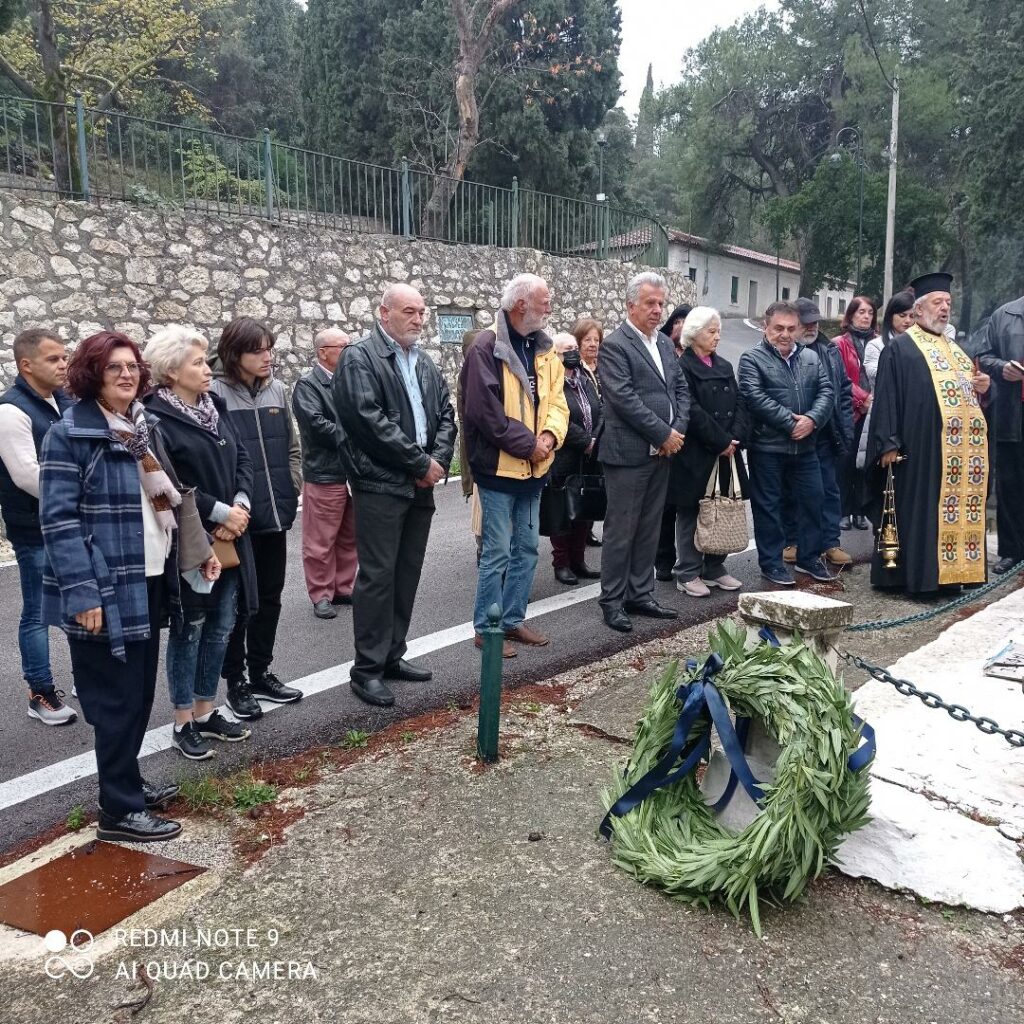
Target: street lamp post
<point>602,141</point>
<point>854,135</point>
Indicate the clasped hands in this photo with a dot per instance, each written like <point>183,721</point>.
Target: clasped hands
<point>803,426</point>
<point>234,526</point>
<point>672,444</point>
<point>543,448</point>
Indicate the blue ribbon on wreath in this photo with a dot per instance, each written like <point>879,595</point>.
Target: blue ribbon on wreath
<point>701,702</point>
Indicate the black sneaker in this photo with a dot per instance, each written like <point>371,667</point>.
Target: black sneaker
<point>268,687</point>
<point>188,741</point>
<point>217,727</point>
<point>817,571</point>
<point>241,701</point>
<point>780,577</point>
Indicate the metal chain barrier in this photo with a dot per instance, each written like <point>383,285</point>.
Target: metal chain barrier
<point>989,726</point>
<point>960,602</point>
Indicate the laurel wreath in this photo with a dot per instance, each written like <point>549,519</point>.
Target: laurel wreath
<point>673,841</point>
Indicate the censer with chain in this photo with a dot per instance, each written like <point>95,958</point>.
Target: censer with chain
<point>889,533</point>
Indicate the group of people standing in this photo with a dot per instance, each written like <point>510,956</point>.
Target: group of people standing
<point>145,489</point>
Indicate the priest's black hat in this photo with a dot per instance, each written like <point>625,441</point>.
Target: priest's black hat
<point>939,282</point>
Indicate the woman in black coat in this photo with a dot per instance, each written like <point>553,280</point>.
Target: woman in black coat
<point>206,455</point>
<point>718,427</point>
<point>577,455</point>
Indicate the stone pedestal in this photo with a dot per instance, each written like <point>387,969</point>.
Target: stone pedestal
<point>819,621</point>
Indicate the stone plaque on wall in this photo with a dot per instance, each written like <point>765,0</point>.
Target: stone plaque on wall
<point>452,326</point>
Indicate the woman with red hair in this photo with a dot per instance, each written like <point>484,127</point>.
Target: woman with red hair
<point>859,326</point>
<point>107,512</point>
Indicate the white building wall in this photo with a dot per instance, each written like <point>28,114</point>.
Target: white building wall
<point>719,277</point>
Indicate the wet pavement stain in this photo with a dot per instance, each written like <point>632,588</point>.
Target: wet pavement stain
<point>93,888</point>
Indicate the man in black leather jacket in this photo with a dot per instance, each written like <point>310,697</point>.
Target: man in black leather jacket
<point>790,397</point>
<point>834,440</point>
<point>328,518</point>
<point>399,436</point>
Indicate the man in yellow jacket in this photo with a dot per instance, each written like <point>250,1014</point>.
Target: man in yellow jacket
<point>514,417</point>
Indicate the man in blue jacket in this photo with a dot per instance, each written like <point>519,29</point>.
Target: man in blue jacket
<point>790,398</point>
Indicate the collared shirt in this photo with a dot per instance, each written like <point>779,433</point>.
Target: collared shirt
<point>327,376</point>
<point>790,358</point>
<point>651,344</point>
<point>406,362</point>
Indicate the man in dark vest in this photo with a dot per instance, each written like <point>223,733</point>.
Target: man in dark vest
<point>27,411</point>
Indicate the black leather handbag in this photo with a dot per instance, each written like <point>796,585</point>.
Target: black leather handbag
<point>586,497</point>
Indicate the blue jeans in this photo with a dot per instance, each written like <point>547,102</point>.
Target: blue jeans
<point>33,636</point>
<point>831,506</point>
<point>196,646</point>
<point>773,474</point>
<point>508,559</point>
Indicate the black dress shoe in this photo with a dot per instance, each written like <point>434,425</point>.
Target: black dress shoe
<point>136,827</point>
<point>373,691</point>
<point>409,672</point>
<point>323,610</point>
<point>1004,565</point>
<point>845,524</point>
<point>341,599</point>
<point>861,523</point>
<point>592,541</point>
<point>584,572</point>
<point>650,610</point>
<point>566,576</point>
<point>617,619</point>
<point>158,796</point>
<point>664,575</point>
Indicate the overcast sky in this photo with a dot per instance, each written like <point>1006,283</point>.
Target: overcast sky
<point>659,32</point>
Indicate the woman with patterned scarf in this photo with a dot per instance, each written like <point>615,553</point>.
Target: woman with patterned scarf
<point>206,455</point>
<point>107,512</point>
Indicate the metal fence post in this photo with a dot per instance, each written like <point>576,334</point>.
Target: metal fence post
<point>515,212</point>
<point>406,200</point>
<point>490,686</point>
<point>83,151</point>
<point>268,173</point>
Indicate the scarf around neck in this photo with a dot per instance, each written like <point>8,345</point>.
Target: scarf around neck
<point>133,432</point>
<point>203,413</point>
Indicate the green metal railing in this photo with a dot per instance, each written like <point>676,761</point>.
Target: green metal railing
<point>78,152</point>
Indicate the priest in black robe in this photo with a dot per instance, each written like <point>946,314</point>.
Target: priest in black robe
<point>926,409</point>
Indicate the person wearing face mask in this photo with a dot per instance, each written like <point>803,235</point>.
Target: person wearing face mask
<point>859,326</point>
<point>927,409</point>
<point>789,396</point>
<point>834,441</point>
<point>576,456</point>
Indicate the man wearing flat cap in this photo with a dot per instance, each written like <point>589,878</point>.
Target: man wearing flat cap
<point>926,410</point>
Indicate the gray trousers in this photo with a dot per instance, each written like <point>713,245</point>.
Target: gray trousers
<point>691,563</point>
<point>391,540</point>
<point>636,500</point>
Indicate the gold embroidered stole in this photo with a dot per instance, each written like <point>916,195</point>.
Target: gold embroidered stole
<point>964,482</point>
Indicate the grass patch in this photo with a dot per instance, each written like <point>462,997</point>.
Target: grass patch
<point>203,793</point>
<point>76,818</point>
<point>354,738</point>
<point>408,736</point>
<point>250,792</point>
<point>455,469</point>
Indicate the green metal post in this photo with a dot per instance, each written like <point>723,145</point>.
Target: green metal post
<point>83,152</point>
<point>490,686</point>
<point>515,211</point>
<point>268,173</point>
<point>604,230</point>
<point>406,200</point>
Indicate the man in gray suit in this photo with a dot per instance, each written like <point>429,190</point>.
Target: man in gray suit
<point>646,411</point>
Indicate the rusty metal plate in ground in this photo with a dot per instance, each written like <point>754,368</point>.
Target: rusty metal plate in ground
<point>92,887</point>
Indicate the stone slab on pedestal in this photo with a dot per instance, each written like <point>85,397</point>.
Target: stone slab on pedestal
<point>796,611</point>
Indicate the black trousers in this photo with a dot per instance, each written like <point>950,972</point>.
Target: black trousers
<point>1010,498</point>
<point>117,698</point>
<point>391,541</point>
<point>252,639</point>
<point>666,556</point>
<point>852,481</point>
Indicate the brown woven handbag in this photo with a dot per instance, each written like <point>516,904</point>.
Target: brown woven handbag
<point>722,519</point>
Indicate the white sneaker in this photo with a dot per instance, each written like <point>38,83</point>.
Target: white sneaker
<point>694,588</point>
<point>49,709</point>
<point>725,582</point>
